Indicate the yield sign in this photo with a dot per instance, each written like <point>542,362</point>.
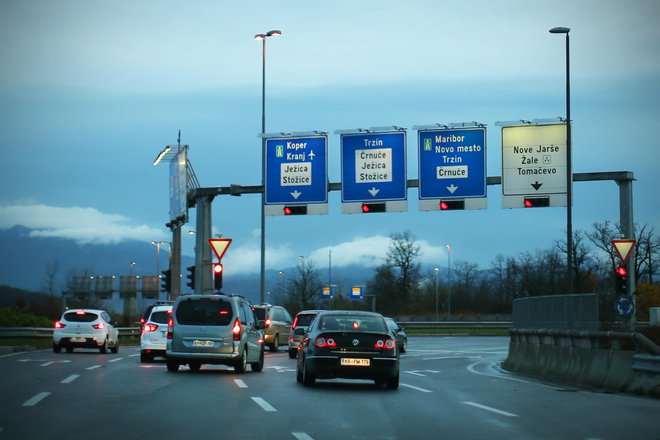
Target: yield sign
<point>219,246</point>
<point>623,248</point>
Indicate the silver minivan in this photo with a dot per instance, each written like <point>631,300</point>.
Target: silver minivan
<point>214,329</point>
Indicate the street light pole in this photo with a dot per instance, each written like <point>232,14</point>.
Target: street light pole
<point>436,270</point>
<point>263,37</point>
<point>448,281</point>
<point>569,169</point>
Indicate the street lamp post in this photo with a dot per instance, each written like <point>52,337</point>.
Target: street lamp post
<point>436,270</point>
<point>569,169</point>
<point>448,281</point>
<point>262,37</point>
<point>157,244</point>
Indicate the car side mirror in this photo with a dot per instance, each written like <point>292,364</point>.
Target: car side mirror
<point>299,331</point>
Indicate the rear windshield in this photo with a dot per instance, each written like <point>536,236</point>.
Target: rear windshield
<point>305,319</point>
<point>353,323</point>
<point>80,316</point>
<point>260,313</point>
<point>204,312</point>
<point>160,317</point>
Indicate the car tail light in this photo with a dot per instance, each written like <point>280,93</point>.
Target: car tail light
<point>58,324</point>
<point>387,344</point>
<point>170,328</point>
<point>295,323</point>
<point>322,342</point>
<point>80,312</point>
<point>148,328</point>
<point>236,330</point>
<point>267,323</point>
<point>99,326</point>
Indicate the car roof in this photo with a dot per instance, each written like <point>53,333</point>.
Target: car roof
<point>309,312</point>
<point>349,313</point>
<point>84,310</point>
<point>161,308</point>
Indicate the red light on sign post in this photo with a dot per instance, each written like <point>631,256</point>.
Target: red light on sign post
<point>217,275</point>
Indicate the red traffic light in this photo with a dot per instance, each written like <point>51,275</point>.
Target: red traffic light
<point>373,207</point>
<point>217,268</point>
<point>536,202</point>
<point>295,210</point>
<point>621,271</point>
<point>448,205</point>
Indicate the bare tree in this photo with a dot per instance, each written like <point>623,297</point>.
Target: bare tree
<point>582,268</point>
<point>304,287</point>
<point>51,274</point>
<point>402,255</point>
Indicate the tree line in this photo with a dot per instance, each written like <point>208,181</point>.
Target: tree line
<point>400,287</point>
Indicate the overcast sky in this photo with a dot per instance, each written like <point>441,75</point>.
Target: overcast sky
<point>92,91</point>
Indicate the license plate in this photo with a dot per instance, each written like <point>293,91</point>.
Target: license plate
<point>202,343</point>
<point>355,362</point>
<point>77,339</point>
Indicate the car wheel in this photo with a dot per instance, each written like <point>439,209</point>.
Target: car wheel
<point>292,353</point>
<point>393,382</point>
<point>241,362</point>
<point>57,348</point>
<point>172,366</point>
<point>69,349</point>
<point>104,348</point>
<point>299,376</point>
<point>115,348</point>
<point>257,367</point>
<point>308,379</point>
<point>145,357</point>
<point>276,343</point>
<point>404,347</point>
<point>194,366</point>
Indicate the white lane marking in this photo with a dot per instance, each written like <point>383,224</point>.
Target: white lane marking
<point>415,373</point>
<point>36,399</point>
<point>93,367</point>
<point>488,408</point>
<point>115,360</point>
<point>134,355</point>
<point>263,404</point>
<point>71,378</point>
<point>302,436</point>
<point>240,383</point>
<point>416,388</point>
<point>45,364</point>
<point>471,368</point>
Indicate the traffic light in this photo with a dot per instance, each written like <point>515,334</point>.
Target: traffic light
<point>373,207</point>
<point>217,275</point>
<point>295,210</point>
<point>166,280</point>
<point>191,277</point>
<point>536,202</point>
<point>449,205</point>
<point>621,276</point>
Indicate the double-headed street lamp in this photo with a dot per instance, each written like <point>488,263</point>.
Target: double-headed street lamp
<point>448,281</point>
<point>569,169</point>
<point>436,270</point>
<point>263,37</point>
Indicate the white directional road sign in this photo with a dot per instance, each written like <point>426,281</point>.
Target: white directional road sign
<point>534,159</point>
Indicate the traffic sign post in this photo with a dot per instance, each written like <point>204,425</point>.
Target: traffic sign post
<point>296,173</point>
<point>534,164</point>
<point>373,168</point>
<point>452,167</point>
<point>623,249</point>
<point>219,246</point>
<point>357,292</point>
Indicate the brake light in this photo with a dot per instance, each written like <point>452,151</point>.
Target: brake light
<point>295,323</point>
<point>322,342</point>
<point>387,344</point>
<point>148,328</point>
<point>267,323</point>
<point>80,312</point>
<point>58,324</point>
<point>236,330</point>
<point>99,326</point>
<point>170,328</point>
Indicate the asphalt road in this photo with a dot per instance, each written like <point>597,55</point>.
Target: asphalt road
<point>451,388</point>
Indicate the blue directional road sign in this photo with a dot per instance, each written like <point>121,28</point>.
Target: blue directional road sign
<point>373,166</point>
<point>357,292</point>
<point>296,170</point>
<point>452,163</point>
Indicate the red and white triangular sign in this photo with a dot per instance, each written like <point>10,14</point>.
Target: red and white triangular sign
<point>623,248</point>
<point>219,246</point>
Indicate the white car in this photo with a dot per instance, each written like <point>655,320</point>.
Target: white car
<point>153,339</point>
<point>85,328</point>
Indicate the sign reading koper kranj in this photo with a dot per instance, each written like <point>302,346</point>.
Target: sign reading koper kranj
<point>452,163</point>
<point>373,166</point>
<point>296,170</point>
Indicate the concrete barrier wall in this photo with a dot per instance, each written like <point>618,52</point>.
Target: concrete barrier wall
<point>602,360</point>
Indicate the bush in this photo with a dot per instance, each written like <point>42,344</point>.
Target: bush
<point>10,317</point>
